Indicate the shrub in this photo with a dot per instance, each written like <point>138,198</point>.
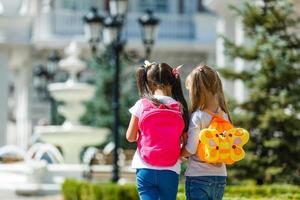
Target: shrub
<point>81,190</point>
<point>71,189</point>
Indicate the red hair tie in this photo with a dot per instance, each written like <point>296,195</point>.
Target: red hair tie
<point>176,71</point>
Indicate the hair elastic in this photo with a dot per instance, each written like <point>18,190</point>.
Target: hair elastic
<point>176,71</point>
<point>148,64</point>
<point>200,68</point>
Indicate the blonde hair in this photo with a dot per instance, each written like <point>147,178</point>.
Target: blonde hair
<point>204,82</point>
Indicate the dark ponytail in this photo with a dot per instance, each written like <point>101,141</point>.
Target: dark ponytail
<point>159,76</point>
<point>143,86</point>
<point>177,94</point>
<point>141,80</point>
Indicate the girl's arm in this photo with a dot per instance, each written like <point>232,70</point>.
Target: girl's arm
<point>132,131</point>
<point>190,147</point>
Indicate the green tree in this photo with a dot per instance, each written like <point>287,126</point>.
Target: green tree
<point>99,109</point>
<point>271,111</point>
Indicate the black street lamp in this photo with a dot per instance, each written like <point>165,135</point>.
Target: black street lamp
<point>111,35</point>
<point>52,64</point>
<point>149,30</point>
<point>93,27</point>
<point>44,75</point>
<point>52,69</point>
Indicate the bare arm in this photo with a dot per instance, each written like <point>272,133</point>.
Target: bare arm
<point>190,147</point>
<point>132,131</point>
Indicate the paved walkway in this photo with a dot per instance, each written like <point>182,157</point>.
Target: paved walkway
<point>10,195</point>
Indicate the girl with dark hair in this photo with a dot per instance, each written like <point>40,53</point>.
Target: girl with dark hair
<point>158,122</point>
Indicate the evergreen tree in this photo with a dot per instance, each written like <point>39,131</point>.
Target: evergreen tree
<point>272,109</point>
<point>99,109</point>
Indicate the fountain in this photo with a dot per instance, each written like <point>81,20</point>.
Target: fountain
<point>71,136</point>
<point>42,168</point>
<point>31,174</point>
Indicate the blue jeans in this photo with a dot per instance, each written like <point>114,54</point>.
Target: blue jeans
<point>205,187</point>
<point>157,184</point>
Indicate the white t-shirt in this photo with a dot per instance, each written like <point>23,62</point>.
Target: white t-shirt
<point>137,162</point>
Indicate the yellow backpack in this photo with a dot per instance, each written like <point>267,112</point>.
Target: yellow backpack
<point>221,142</point>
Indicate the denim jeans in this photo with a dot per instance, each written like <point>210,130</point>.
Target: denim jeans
<point>157,184</point>
<point>205,187</point>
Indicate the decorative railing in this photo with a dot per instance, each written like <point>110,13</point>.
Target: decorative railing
<point>66,23</point>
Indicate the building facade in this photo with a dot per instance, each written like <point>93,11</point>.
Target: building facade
<point>31,29</point>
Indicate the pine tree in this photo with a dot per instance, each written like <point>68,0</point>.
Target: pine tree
<point>272,109</point>
<point>99,109</point>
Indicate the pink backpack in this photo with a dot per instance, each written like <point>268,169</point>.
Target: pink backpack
<point>160,131</point>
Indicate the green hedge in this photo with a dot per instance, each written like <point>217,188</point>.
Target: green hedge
<point>80,190</point>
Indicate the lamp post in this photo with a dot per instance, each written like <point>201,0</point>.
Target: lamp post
<point>149,29</point>
<point>52,66</point>
<point>93,27</point>
<point>43,75</point>
<point>109,29</point>
<point>112,26</point>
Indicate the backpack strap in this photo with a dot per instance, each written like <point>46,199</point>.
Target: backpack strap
<point>148,105</point>
<point>219,114</point>
<point>174,106</point>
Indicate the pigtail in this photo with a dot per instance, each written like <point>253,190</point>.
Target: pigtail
<point>143,86</point>
<point>177,94</point>
<point>141,80</point>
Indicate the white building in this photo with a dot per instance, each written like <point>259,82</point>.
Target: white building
<point>31,29</point>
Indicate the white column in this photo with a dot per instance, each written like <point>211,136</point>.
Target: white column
<point>3,97</point>
<point>239,88</point>
<point>225,27</point>
<point>22,84</point>
<point>45,21</point>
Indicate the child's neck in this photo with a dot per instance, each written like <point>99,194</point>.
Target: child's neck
<point>162,92</point>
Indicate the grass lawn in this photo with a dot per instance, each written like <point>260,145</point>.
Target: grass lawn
<point>255,192</point>
<point>263,192</point>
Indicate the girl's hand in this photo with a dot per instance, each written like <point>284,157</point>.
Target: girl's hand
<point>183,159</point>
<point>184,152</point>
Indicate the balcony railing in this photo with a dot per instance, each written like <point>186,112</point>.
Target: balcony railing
<point>172,27</point>
<point>66,23</point>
